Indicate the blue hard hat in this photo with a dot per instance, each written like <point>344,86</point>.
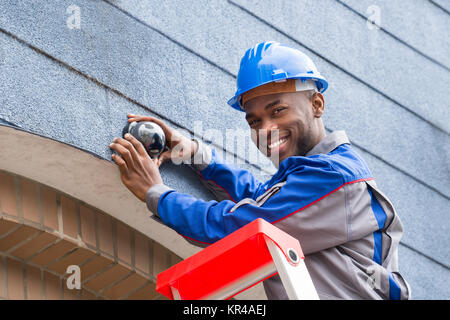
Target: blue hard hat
<point>272,61</point>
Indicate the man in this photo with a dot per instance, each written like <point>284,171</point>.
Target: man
<point>323,192</point>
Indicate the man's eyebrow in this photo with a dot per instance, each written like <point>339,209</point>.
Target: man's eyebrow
<point>249,115</point>
<point>272,104</point>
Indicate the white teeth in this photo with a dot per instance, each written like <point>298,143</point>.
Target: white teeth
<point>276,144</point>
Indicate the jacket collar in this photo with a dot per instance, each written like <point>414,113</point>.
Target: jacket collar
<point>329,143</point>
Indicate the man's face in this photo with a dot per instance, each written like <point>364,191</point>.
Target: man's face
<point>284,124</point>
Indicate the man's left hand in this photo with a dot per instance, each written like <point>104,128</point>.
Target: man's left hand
<point>137,170</point>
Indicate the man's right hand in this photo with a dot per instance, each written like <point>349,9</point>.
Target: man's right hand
<point>180,147</point>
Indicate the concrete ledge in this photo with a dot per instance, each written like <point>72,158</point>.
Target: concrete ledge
<point>94,180</point>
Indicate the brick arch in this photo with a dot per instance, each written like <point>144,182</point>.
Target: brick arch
<point>43,231</point>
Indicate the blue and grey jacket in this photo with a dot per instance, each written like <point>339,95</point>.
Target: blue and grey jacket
<point>349,230</point>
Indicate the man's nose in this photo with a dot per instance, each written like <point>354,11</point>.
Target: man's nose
<point>270,130</point>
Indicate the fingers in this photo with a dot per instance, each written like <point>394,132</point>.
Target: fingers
<point>126,151</point>
<point>166,129</point>
<point>121,164</point>
<point>137,145</point>
<point>164,157</point>
<point>131,152</point>
<point>133,117</point>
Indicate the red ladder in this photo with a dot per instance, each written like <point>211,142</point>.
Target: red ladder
<point>235,263</point>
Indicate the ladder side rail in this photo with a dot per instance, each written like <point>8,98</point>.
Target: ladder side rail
<point>296,279</point>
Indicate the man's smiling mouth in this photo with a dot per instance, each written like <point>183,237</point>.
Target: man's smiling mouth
<point>277,146</point>
<point>277,143</point>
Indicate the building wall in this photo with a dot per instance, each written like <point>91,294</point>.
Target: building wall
<point>178,60</point>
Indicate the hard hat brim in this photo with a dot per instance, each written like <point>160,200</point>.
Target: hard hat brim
<point>321,82</point>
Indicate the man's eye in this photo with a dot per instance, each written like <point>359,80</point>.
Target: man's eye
<point>278,110</point>
<point>252,122</point>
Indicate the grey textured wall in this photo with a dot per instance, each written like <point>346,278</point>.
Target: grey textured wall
<point>389,88</point>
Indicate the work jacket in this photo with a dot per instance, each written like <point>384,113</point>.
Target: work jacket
<point>328,199</point>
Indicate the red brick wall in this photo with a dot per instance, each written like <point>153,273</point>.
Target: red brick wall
<point>43,231</point>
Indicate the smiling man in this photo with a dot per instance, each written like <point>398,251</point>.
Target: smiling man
<point>323,192</point>
<point>290,122</point>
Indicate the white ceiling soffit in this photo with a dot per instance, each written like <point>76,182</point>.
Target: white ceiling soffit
<point>86,177</point>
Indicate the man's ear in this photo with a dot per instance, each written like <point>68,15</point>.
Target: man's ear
<point>318,104</point>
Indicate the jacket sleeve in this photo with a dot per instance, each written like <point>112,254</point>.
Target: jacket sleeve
<point>225,181</point>
<point>209,221</point>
